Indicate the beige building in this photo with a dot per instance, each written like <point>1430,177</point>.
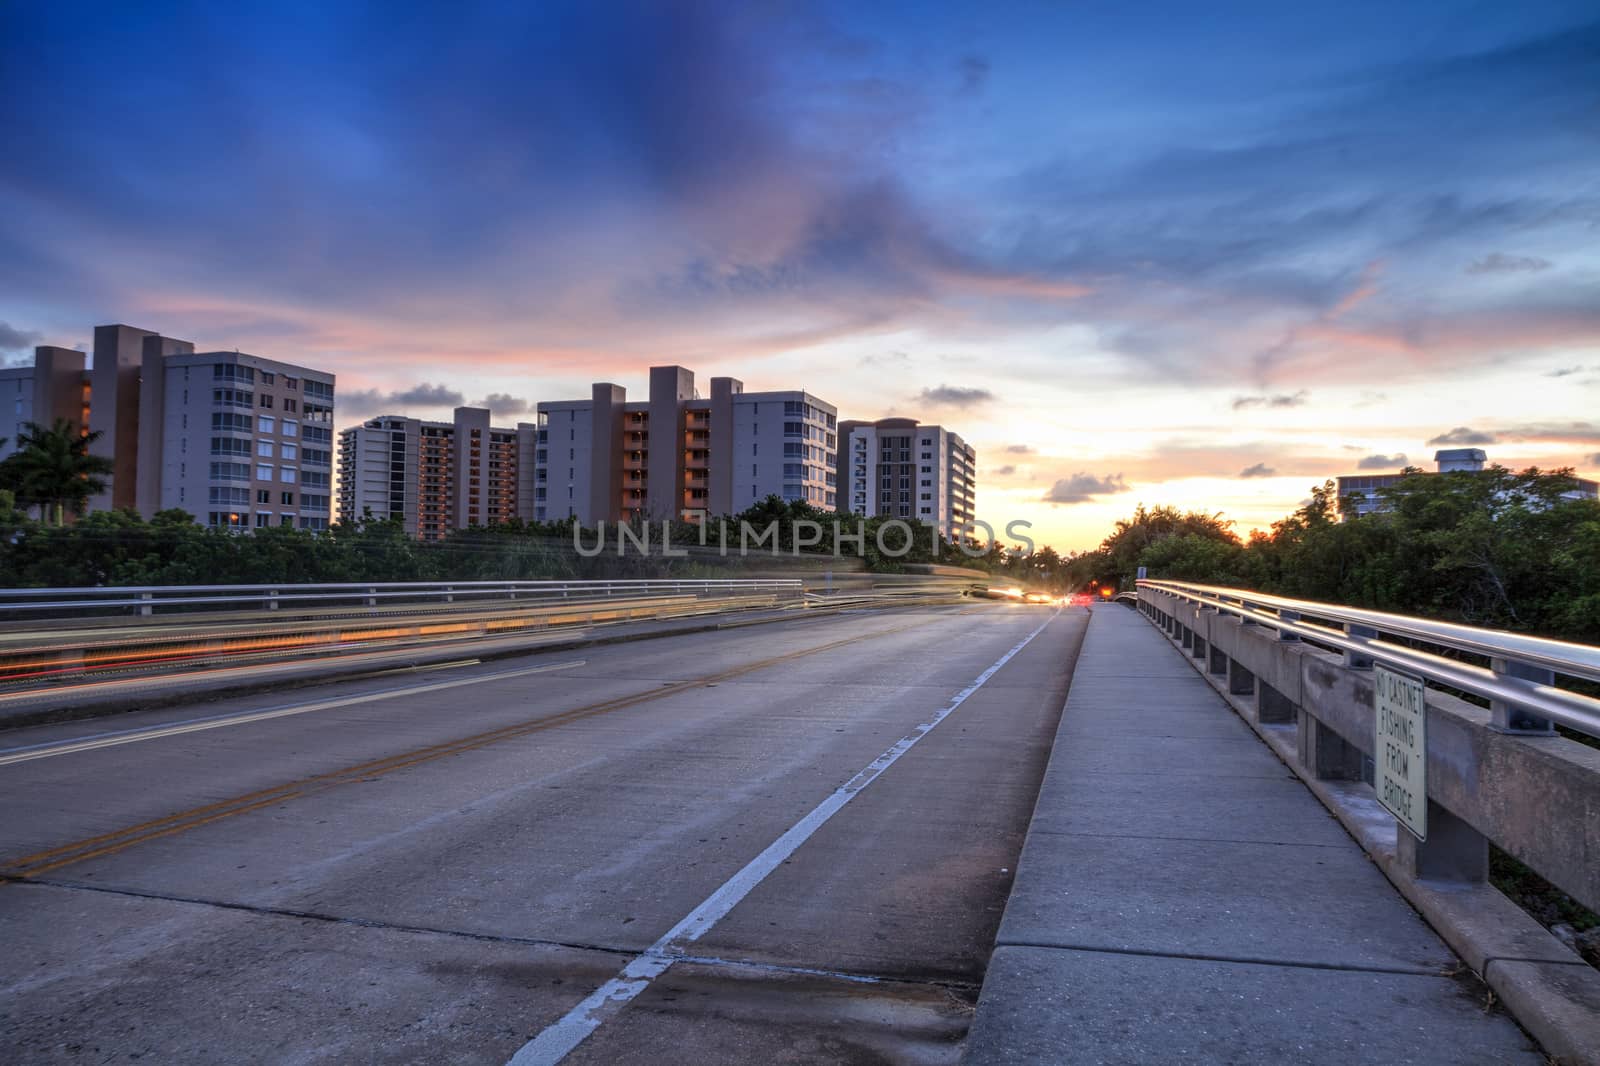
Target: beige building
<point>681,455</point>
<point>239,441</point>
<point>900,468</point>
<point>437,476</point>
<point>55,387</point>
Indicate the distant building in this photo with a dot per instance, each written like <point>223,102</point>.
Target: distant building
<point>681,455</point>
<point>55,387</point>
<point>239,441</point>
<point>898,467</point>
<point>1447,461</point>
<point>435,477</point>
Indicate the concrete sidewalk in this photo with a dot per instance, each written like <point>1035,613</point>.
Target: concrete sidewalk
<point>1183,897</point>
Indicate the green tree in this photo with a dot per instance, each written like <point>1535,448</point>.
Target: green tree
<point>53,470</point>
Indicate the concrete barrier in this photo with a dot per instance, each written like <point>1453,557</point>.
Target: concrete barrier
<point>1535,797</point>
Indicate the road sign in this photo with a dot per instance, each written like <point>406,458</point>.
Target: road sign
<point>1400,748</point>
<point>1142,574</point>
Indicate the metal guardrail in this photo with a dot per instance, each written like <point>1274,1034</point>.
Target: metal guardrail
<point>146,599</point>
<point>1519,683</point>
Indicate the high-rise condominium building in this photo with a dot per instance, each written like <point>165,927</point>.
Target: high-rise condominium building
<point>899,468</point>
<point>237,440</point>
<point>681,455</point>
<point>437,476</point>
<point>245,442</point>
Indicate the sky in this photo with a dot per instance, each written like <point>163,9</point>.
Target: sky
<point>1159,253</point>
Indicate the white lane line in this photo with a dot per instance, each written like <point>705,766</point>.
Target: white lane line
<point>133,736</point>
<point>556,1042</point>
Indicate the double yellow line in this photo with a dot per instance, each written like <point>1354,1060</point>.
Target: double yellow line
<point>94,847</point>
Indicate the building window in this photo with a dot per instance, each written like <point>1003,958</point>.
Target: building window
<point>289,451</point>
<point>266,402</point>
<point>263,473</point>
<point>286,499</point>
<point>266,423</point>
<point>264,449</point>
<point>263,495</point>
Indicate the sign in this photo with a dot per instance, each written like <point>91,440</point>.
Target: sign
<point>1400,748</point>
<point>1142,574</point>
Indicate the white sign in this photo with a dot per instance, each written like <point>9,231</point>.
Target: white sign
<point>1400,748</point>
<point>1142,574</point>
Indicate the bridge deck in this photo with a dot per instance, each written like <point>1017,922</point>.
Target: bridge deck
<point>1181,895</point>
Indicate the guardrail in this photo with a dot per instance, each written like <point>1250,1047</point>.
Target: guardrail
<point>147,599</point>
<point>1496,773</point>
<point>1519,682</point>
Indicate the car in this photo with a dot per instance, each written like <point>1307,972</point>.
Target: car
<point>1038,597</point>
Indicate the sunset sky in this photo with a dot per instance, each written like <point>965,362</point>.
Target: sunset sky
<point>1198,254</point>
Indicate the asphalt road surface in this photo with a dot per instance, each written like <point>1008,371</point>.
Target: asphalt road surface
<point>744,846</point>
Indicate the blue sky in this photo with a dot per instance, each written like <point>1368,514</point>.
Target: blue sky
<point>1132,251</point>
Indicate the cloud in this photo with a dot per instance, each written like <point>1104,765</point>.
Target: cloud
<point>1594,459</point>
<point>1258,470</point>
<point>1565,371</point>
<point>887,359</point>
<point>1020,449</point>
<point>1082,487</point>
<point>13,339</point>
<point>1556,432</point>
<point>1382,462</point>
<point>426,395</point>
<point>1464,435</point>
<point>504,404</point>
<point>362,402</point>
<point>974,70</point>
<point>1500,263</point>
<point>1005,471</point>
<point>957,396</point>
<point>1296,399</point>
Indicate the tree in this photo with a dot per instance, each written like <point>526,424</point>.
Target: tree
<point>53,470</point>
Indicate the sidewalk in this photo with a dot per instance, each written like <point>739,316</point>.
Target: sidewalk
<point>1182,897</point>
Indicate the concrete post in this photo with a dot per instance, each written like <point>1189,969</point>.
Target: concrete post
<point>1199,646</point>
<point>1241,682</point>
<point>145,601</point>
<point>1288,616</point>
<point>1454,851</point>
<point>1325,753</point>
<point>1272,705</point>
<point>1508,717</point>
<point>1355,660</point>
<point>1219,662</point>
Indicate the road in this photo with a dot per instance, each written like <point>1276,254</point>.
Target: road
<point>749,841</point>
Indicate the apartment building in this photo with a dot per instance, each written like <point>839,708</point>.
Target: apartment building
<point>239,441</point>
<point>900,468</point>
<point>679,454</point>
<point>437,476</point>
<point>55,387</point>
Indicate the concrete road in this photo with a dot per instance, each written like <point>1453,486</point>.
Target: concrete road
<point>749,842</point>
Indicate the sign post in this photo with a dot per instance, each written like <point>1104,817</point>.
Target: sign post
<point>1400,748</point>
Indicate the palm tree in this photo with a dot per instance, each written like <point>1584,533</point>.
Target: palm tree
<point>53,470</point>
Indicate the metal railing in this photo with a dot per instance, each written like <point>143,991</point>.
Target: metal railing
<point>147,599</point>
<point>1519,682</point>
